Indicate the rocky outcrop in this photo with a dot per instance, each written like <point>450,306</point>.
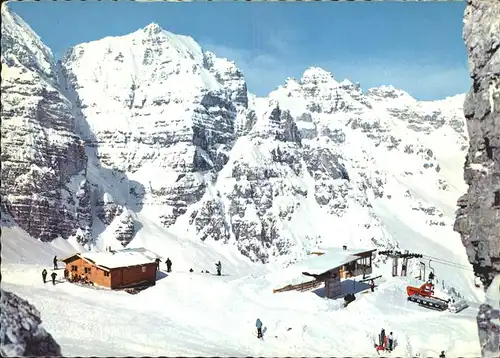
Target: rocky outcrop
<point>123,228</point>
<point>43,160</point>
<point>478,216</point>
<point>21,331</point>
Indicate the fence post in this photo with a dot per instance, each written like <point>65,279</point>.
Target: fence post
<point>394,266</point>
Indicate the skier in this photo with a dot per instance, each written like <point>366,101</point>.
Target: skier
<point>258,324</point>
<point>390,340</point>
<point>431,276</point>
<point>44,275</point>
<point>218,265</point>
<point>169,265</point>
<point>55,262</point>
<point>442,355</point>
<point>372,285</point>
<point>191,270</point>
<point>157,264</point>
<point>53,275</point>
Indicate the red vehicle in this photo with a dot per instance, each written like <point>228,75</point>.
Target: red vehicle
<point>424,296</point>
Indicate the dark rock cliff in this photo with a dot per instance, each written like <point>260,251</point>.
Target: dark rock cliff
<point>478,216</point>
<point>21,333</point>
<point>43,160</point>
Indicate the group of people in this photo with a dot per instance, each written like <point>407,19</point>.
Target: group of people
<point>385,342</point>
<point>53,275</point>
<point>69,276</point>
<point>76,278</point>
<point>168,262</point>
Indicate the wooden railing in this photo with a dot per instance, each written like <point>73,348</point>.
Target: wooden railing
<point>304,286</point>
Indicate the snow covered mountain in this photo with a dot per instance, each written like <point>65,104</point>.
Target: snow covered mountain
<point>172,137</point>
<point>43,159</point>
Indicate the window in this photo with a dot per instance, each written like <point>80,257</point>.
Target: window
<point>87,269</point>
<point>106,274</point>
<point>74,268</point>
<point>143,268</point>
<point>365,261</point>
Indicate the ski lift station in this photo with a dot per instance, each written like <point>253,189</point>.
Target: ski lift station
<point>332,266</point>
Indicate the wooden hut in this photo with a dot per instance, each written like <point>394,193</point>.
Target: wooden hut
<point>334,266</point>
<point>113,269</point>
<point>360,265</point>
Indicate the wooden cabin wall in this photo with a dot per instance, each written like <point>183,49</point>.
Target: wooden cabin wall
<point>93,274</point>
<point>128,276</point>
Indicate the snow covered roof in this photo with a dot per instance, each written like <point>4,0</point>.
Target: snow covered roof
<point>333,258</point>
<point>120,258</point>
<point>148,253</point>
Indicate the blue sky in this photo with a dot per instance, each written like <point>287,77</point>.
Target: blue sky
<point>417,47</point>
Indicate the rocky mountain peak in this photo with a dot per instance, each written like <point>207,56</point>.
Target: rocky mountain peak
<point>317,75</point>
<point>22,46</point>
<point>152,29</point>
<point>386,92</point>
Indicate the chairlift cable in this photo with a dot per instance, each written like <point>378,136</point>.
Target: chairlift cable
<point>447,261</point>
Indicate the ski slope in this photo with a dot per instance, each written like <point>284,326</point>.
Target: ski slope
<point>196,314</point>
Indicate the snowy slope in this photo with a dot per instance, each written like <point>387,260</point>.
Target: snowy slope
<point>184,311</point>
<point>18,247</point>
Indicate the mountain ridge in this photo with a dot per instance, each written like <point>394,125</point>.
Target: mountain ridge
<point>171,132</point>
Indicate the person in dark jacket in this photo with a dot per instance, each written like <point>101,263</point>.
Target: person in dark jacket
<point>218,266</point>
<point>442,355</point>
<point>44,275</point>
<point>382,336</point>
<point>258,324</point>
<point>372,285</point>
<point>157,264</point>
<point>53,275</point>
<point>169,265</point>
<point>55,263</point>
